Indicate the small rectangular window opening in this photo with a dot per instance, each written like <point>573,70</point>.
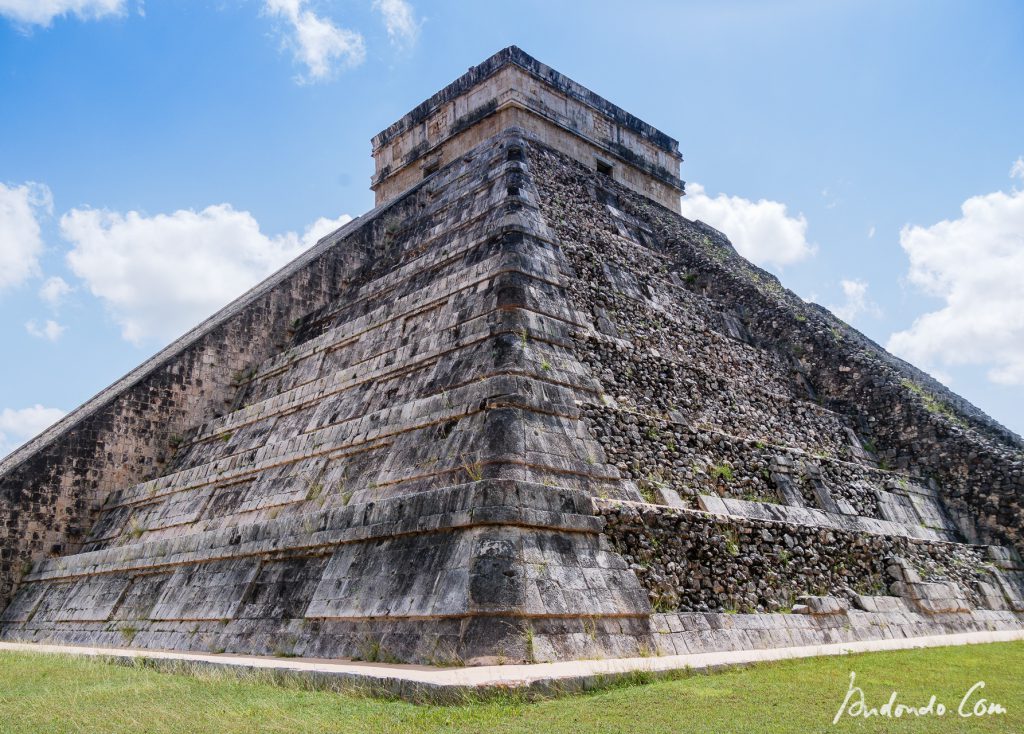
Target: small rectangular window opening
<point>605,169</point>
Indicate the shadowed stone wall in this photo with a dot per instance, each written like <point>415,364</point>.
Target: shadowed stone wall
<point>51,489</point>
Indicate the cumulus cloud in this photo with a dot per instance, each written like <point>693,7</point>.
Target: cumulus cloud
<point>320,229</point>
<point>42,12</point>
<point>855,301</point>
<point>17,426</point>
<point>161,275</point>
<point>400,21</point>
<point>762,231</point>
<point>975,264</point>
<point>54,290</point>
<point>50,330</point>
<point>20,240</point>
<point>316,42</point>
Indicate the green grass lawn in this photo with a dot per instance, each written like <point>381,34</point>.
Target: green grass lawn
<point>43,693</point>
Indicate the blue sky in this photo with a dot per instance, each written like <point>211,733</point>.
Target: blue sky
<point>156,159</point>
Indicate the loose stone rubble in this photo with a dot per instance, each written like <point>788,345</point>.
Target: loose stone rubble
<point>520,412</point>
<point>698,562</point>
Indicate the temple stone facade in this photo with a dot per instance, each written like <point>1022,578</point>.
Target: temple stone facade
<point>522,410</point>
<point>512,89</point>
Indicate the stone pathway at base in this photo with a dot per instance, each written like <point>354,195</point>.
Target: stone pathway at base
<point>427,684</point>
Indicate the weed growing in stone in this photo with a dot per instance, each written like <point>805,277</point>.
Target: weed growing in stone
<point>135,529</point>
<point>128,633</point>
<point>529,642</point>
<point>723,471</point>
<point>474,469</point>
<point>732,542</point>
<point>932,404</point>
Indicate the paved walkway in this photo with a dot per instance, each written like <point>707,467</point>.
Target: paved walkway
<point>430,683</point>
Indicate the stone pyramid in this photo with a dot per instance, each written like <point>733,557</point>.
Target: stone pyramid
<point>522,410</point>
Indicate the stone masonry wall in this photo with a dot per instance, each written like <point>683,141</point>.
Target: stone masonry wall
<point>513,89</point>
<point>398,442</point>
<point>407,474</point>
<point>690,333</point>
<point>695,561</point>
<point>908,420</point>
<point>52,488</point>
<point>661,452</point>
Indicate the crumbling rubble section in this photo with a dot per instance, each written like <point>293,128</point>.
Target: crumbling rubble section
<point>903,420</point>
<point>779,454</point>
<point>694,561</point>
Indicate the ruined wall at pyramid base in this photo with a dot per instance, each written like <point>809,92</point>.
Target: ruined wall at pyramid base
<point>439,577</point>
<point>541,418</point>
<point>714,569</point>
<point>335,596</point>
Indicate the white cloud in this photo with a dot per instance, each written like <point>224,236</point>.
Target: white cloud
<point>54,290</point>
<point>1017,169</point>
<point>761,231</point>
<point>871,232</point>
<point>320,229</point>
<point>316,42</point>
<point>400,21</point>
<point>51,330</point>
<point>42,12</point>
<point>855,301</point>
<point>161,275</point>
<point>20,240</point>
<point>975,264</point>
<point>17,426</point>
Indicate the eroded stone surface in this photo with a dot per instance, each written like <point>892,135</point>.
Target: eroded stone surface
<point>451,432</point>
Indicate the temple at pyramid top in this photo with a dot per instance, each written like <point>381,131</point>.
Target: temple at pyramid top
<point>513,89</point>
